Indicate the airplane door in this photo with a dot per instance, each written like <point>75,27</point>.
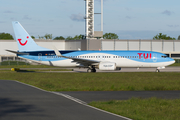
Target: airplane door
<point>40,57</point>
<point>154,57</point>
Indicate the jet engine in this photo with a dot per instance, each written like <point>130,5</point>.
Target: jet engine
<point>107,66</point>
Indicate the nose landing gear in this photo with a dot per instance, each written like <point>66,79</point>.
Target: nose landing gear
<point>157,70</point>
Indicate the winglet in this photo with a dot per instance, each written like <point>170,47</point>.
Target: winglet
<point>57,52</point>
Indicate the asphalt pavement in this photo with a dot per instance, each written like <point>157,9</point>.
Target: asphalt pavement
<point>23,102</point>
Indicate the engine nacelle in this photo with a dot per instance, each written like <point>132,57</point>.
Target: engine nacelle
<point>107,66</point>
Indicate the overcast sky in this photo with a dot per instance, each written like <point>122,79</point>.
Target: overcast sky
<point>130,19</point>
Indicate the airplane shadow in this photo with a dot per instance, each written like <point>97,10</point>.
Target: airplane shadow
<point>10,107</point>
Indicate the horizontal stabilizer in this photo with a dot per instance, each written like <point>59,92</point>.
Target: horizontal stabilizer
<point>17,52</point>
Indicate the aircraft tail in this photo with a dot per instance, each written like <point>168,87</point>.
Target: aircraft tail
<point>24,40</point>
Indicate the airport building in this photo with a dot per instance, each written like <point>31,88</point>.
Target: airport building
<point>169,47</point>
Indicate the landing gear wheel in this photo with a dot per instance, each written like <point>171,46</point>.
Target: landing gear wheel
<point>89,70</point>
<point>93,70</point>
<point>157,70</point>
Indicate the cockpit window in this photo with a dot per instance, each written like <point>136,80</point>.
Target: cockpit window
<point>164,56</point>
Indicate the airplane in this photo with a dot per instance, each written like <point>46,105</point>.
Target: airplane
<point>92,60</point>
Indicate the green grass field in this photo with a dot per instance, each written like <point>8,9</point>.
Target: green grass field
<point>97,81</point>
<point>135,108</point>
<point>175,64</point>
<point>18,64</point>
<point>143,109</point>
<point>27,66</point>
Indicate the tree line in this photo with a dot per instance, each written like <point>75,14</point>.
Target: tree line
<point>79,37</point>
<point>160,36</point>
<point>6,36</point>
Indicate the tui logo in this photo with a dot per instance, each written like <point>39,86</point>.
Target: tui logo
<point>145,56</point>
<point>23,44</point>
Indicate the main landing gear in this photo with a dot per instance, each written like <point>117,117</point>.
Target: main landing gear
<point>91,69</point>
<point>157,70</point>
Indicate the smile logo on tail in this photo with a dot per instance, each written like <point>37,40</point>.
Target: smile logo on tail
<point>23,43</point>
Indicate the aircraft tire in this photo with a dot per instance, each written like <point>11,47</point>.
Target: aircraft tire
<point>93,70</point>
<point>88,70</point>
<point>157,70</point>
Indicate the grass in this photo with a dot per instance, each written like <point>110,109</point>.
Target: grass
<point>6,63</point>
<point>135,108</point>
<point>143,109</point>
<point>175,64</point>
<point>41,70</point>
<point>19,64</point>
<point>97,81</point>
<point>26,66</point>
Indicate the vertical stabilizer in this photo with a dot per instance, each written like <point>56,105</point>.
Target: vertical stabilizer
<point>24,40</point>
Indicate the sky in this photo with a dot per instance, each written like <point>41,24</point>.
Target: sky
<point>129,19</point>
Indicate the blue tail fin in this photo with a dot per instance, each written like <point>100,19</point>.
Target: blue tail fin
<point>24,40</point>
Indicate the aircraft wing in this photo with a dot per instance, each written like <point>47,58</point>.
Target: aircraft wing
<point>85,62</point>
<point>81,61</point>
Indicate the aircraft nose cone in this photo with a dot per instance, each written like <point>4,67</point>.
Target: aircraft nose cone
<point>172,61</point>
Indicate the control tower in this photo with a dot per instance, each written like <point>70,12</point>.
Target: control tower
<point>89,18</point>
<point>90,33</point>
